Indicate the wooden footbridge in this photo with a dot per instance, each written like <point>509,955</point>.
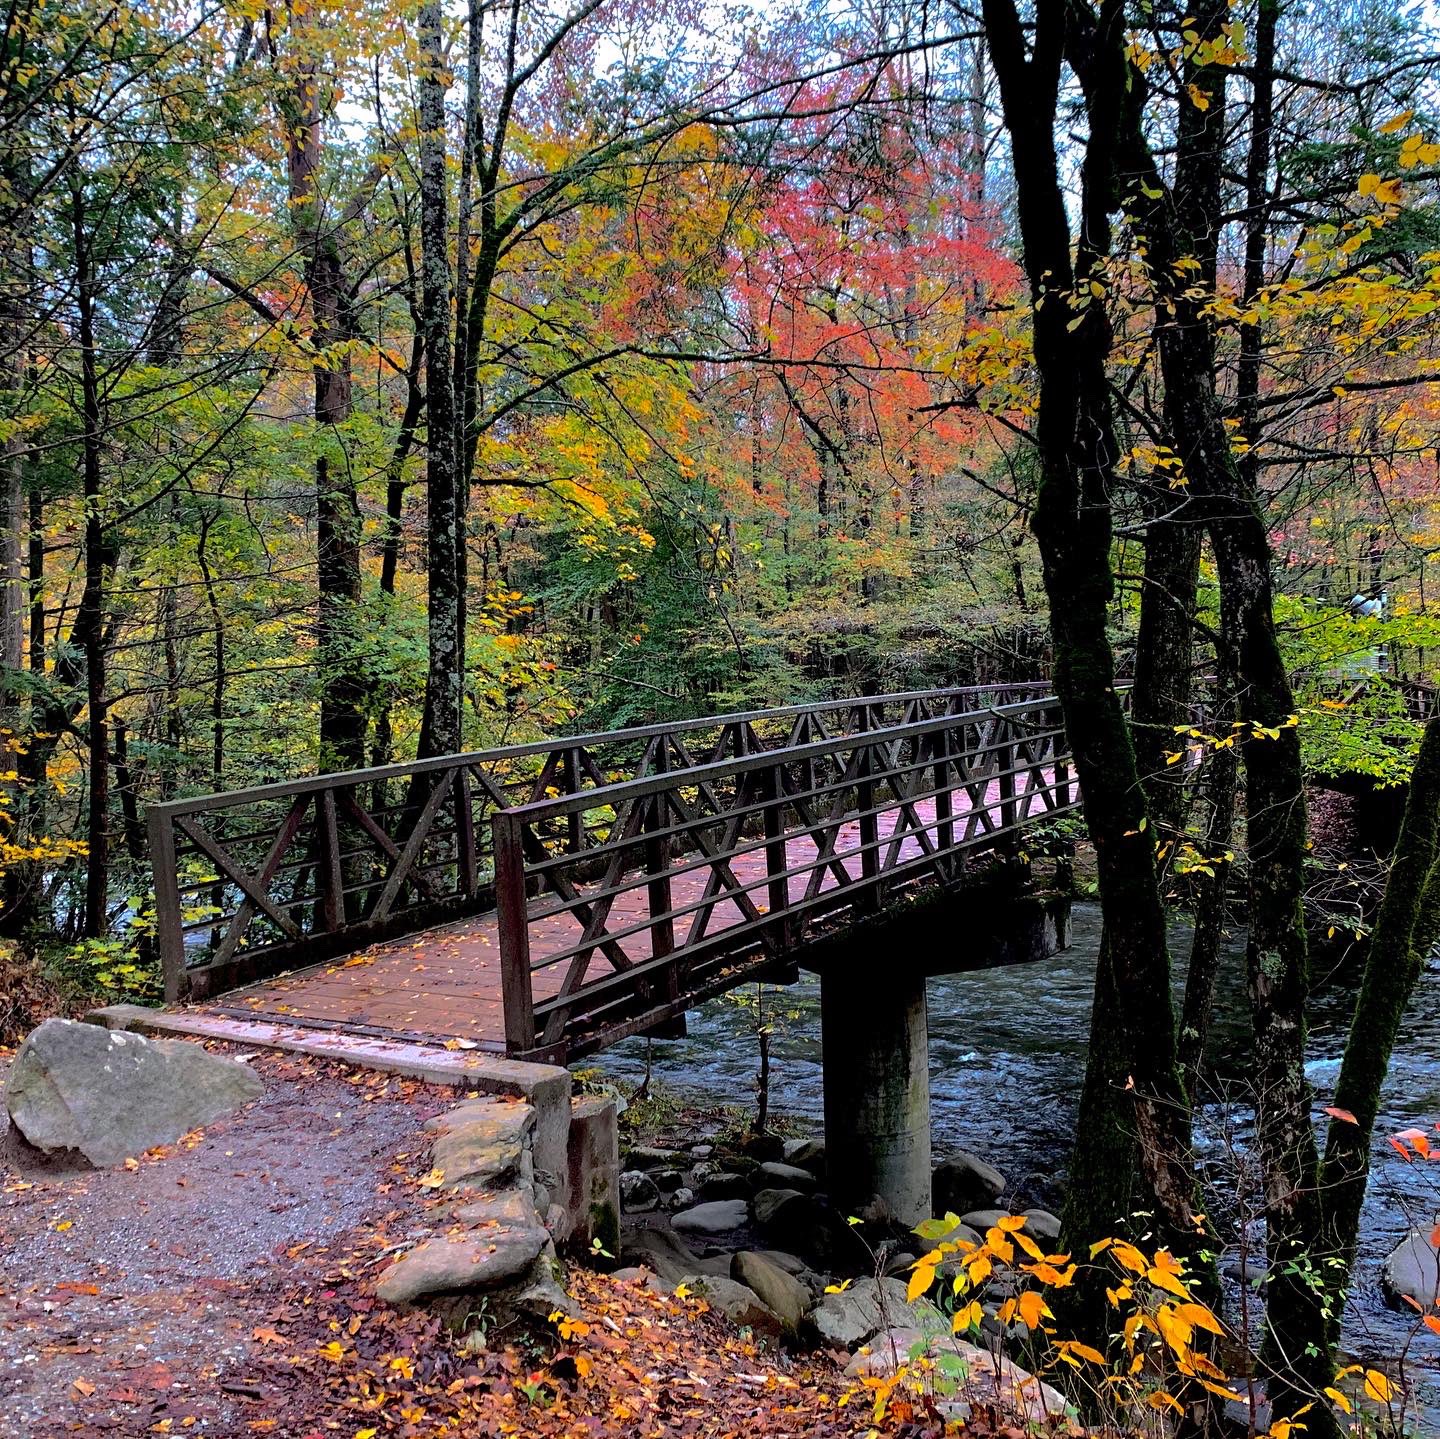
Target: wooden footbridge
<point>543,900</point>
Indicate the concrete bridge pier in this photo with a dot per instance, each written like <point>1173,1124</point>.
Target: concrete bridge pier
<point>874,1031</point>
<point>876,1059</point>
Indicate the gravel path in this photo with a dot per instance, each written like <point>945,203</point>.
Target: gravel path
<point>141,1299</point>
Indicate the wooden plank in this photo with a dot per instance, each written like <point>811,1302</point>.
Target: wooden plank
<point>467,856</point>
<point>385,844</point>
<point>169,929</point>
<point>514,933</point>
<point>328,877</point>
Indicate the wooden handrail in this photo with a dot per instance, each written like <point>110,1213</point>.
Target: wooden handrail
<point>773,841</point>
<point>255,880</point>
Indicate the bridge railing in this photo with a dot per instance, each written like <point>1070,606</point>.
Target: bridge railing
<point>254,881</point>
<point>714,871</point>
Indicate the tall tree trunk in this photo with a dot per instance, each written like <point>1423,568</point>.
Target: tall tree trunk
<point>1072,525</point>
<point>88,629</point>
<point>444,686</point>
<point>342,687</point>
<point>15,264</point>
<point>1406,930</point>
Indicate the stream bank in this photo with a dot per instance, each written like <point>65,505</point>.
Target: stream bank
<point>1007,1055</point>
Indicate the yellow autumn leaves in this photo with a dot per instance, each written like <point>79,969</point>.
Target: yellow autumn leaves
<point>1159,1348</point>
<point>1151,1290</point>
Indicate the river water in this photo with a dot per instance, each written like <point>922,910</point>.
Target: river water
<point>1007,1054</point>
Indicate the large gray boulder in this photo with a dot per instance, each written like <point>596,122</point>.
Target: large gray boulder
<point>780,1291</point>
<point>963,1182</point>
<point>112,1095</point>
<point>847,1319</point>
<point>1412,1271</point>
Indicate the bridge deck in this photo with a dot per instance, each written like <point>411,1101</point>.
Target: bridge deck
<point>445,984</point>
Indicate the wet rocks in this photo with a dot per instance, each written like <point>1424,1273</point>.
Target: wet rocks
<point>112,1095</point>
<point>638,1192</point>
<point>669,1256</point>
<point>724,1185</point>
<point>771,1204</point>
<point>963,1182</point>
<point>1043,1225</point>
<point>983,1219</point>
<point>1412,1272</point>
<point>649,1156</point>
<point>806,1153</point>
<point>777,1175</point>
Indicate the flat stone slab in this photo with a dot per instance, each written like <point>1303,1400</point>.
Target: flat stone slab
<point>478,1154</point>
<point>846,1320</point>
<point>112,1096</point>
<point>483,1260</point>
<point>507,1208</point>
<point>717,1216</point>
<point>506,1122</point>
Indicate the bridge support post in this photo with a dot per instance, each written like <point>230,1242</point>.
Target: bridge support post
<point>876,1060</point>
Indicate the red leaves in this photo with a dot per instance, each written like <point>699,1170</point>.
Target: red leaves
<point>1409,1143</point>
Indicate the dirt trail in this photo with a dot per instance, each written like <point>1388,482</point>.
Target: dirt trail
<point>224,1287</point>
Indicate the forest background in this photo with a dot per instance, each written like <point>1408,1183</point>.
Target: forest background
<point>380,381</point>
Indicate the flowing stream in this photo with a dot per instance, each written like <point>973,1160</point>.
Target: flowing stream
<point>1007,1055</point>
